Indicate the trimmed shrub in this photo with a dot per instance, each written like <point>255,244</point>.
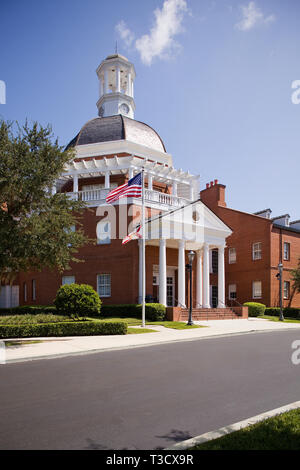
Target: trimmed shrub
<point>72,328</point>
<point>77,300</point>
<point>291,312</point>
<point>154,312</point>
<point>255,308</point>
<point>29,310</point>
<point>288,312</point>
<point>272,311</point>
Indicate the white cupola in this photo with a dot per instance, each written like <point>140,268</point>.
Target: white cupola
<point>116,76</point>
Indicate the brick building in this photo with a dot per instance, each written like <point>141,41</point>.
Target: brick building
<point>257,245</point>
<point>109,150</point>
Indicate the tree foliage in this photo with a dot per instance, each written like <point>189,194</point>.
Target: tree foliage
<point>35,225</point>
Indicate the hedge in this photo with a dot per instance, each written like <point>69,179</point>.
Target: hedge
<point>154,312</point>
<point>74,328</point>
<point>255,308</point>
<point>288,312</point>
<point>29,310</point>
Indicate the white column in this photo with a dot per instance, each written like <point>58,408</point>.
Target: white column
<point>199,280</point>
<point>118,79</point>
<point>221,277</point>
<point>206,300</point>
<point>130,173</point>
<point>101,88</point>
<point>107,180</point>
<point>162,272</point>
<point>191,192</point>
<point>132,89</point>
<point>140,272</point>
<point>106,89</point>
<point>174,188</point>
<point>129,88</point>
<point>75,183</point>
<point>150,182</point>
<point>181,273</point>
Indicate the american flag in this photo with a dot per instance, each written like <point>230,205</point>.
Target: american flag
<point>133,235</point>
<point>133,188</point>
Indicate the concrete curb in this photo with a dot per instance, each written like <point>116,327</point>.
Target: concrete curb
<point>209,436</point>
<point>133,346</point>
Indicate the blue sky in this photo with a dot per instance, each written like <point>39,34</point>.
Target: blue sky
<point>213,78</point>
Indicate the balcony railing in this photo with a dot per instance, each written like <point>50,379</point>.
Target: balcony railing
<point>155,197</point>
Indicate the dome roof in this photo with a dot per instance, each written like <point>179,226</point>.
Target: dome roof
<point>118,127</point>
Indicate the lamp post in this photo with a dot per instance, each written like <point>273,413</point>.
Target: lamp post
<point>280,266</point>
<point>191,256</point>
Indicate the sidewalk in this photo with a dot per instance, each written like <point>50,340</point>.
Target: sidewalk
<point>59,347</point>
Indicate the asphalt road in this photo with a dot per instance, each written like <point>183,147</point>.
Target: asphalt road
<point>145,398</point>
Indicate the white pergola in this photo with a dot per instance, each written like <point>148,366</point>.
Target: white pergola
<point>184,185</point>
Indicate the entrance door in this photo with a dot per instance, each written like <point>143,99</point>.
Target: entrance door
<point>170,291</point>
<point>214,296</point>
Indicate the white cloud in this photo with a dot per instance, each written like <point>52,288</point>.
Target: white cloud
<point>252,16</point>
<point>160,41</point>
<point>125,34</point>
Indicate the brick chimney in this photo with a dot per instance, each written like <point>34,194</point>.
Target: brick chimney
<point>214,194</point>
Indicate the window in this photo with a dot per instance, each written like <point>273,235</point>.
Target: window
<point>232,255</point>
<point>68,280</point>
<point>214,261</point>
<point>256,251</point>
<point>94,187</point>
<point>232,291</point>
<point>286,289</point>
<point>25,292</point>
<point>256,290</point>
<point>104,285</point>
<point>72,228</point>
<point>286,251</point>
<point>33,289</point>
<point>103,233</point>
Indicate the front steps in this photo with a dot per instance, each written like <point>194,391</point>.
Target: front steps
<point>209,314</point>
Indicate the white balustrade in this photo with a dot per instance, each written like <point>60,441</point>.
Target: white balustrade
<point>150,196</point>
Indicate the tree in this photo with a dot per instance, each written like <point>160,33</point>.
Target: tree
<point>295,275</point>
<point>36,226</point>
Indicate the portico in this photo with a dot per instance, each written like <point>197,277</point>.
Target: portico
<point>203,235</point>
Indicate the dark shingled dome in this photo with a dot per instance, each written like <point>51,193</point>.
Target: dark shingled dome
<point>108,129</point>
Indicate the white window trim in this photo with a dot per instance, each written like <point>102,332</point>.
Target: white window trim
<point>255,250</point>
<point>289,287</point>
<point>67,277</point>
<point>230,290</point>
<point>253,290</point>
<point>288,251</point>
<point>102,232</point>
<point>98,290</point>
<point>230,251</point>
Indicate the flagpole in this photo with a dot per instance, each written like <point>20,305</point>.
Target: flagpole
<point>144,252</point>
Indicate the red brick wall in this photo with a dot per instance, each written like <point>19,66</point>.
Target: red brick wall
<point>278,237</point>
<point>248,229</point>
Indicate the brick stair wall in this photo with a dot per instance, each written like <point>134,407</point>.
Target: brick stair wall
<point>209,314</point>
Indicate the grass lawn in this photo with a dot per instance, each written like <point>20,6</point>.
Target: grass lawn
<point>19,343</point>
<point>132,331</point>
<point>279,433</point>
<point>177,325</point>
<point>275,318</point>
<point>32,319</point>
